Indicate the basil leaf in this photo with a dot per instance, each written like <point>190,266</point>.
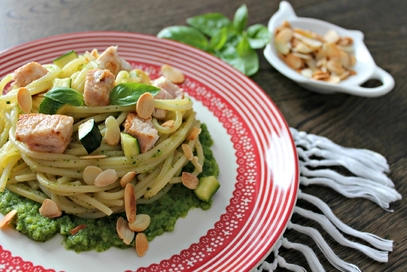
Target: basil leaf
<point>65,95</point>
<point>258,35</point>
<point>186,35</point>
<point>126,94</point>
<point>219,39</point>
<point>240,18</point>
<point>230,55</point>
<point>248,56</point>
<point>209,23</point>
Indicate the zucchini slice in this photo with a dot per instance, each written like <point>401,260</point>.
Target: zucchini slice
<point>129,144</point>
<point>89,135</point>
<point>207,187</point>
<point>62,82</point>
<point>65,58</point>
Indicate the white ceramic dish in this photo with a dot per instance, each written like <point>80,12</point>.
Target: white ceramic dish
<point>365,67</point>
<point>259,171</point>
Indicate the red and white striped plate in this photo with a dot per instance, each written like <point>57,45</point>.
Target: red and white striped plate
<point>253,145</point>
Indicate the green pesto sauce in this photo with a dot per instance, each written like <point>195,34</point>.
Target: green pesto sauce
<point>100,234</point>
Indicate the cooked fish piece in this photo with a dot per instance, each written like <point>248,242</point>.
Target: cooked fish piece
<point>160,114</point>
<point>167,85</point>
<point>98,84</point>
<point>45,133</point>
<point>142,129</point>
<point>28,73</point>
<point>111,60</point>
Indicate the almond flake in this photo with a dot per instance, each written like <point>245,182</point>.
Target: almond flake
<point>172,74</point>
<point>141,223</point>
<point>7,218</point>
<point>190,181</point>
<point>145,105</point>
<point>328,58</point>
<point>130,203</point>
<point>127,178</point>
<point>123,230</point>
<point>50,209</point>
<point>90,173</point>
<point>77,229</point>
<point>141,244</point>
<point>24,99</point>
<point>194,133</point>
<point>107,177</point>
<point>187,151</point>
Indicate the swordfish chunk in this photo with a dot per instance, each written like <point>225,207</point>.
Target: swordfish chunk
<point>45,133</point>
<point>98,84</point>
<point>111,60</point>
<point>28,73</point>
<point>142,129</point>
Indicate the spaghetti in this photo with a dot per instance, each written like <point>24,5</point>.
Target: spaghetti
<point>40,175</point>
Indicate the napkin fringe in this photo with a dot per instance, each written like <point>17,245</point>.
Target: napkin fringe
<point>319,159</point>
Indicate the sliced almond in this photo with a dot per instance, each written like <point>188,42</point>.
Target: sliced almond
<point>345,41</point>
<point>168,123</point>
<point>107,177</point>
<point>50,209</point>
<point>130,203</point>
<point>123,230</point>
<point>282,47</point>
<point>334,66</point>
<point>320,75</point>
<point>7,218</point>
<point>307,72</point>
<point>294,61</point>
<point>301,47</point>
<point>334,79</point>
<point>284,35</point>
<point>172,74</point>
<point>141,244</point>
<point>112,135</point>
<point>310,41</point>
<point>145,105</point>
<point>127,178</point>
<point>190,181</point>
<point>194,133</point>
<point>24,99</point>
<point>90,173</point>
<point>77,229</point>
<point>301,50</point>
<point>331,36</point>
<point>141,223</point>
<point>332,51</point>
<point>187,151</point>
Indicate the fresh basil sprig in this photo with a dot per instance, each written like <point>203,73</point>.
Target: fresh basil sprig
<point>229,40</point>
<point>126,94</point>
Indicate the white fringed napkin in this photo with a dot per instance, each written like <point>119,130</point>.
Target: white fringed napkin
<point>317,156</point>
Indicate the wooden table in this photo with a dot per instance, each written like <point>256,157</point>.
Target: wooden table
<point>379,124</point>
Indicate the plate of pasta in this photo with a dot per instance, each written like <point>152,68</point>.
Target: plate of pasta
<point>106,133</point>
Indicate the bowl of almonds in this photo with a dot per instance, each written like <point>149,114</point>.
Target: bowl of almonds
<point>322,57</point>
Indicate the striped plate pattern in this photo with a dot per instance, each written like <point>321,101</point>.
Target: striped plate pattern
<point>266,181</point>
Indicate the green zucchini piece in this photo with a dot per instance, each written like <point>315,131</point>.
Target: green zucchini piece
<point>65,58</point>
<point>49,106</point>
<point>62,82</point>
<point>90,136</point>
<point>129,144</point>
<point>207,187</point>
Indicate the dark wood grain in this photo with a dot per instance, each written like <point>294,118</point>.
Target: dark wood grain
<point>379,124</point>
